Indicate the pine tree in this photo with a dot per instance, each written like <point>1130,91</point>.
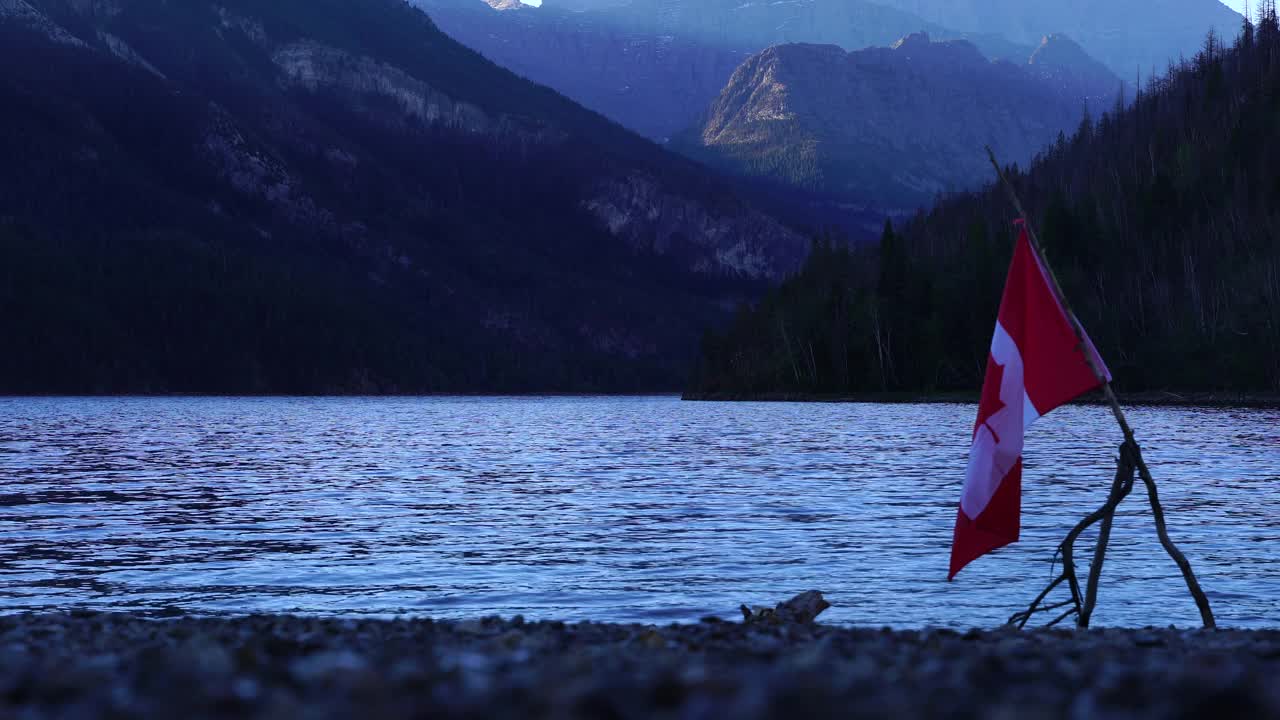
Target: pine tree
<point>893,265</point>
<point>1246,30</point>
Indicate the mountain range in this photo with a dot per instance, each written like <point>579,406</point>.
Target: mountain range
<point>655,65</point>
<point>333,195</point>
<point>1128,36</point>
<point>694,74</point>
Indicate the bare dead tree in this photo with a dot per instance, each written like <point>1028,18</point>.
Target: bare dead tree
<point>1130,458</point>
<point>1082,604</point>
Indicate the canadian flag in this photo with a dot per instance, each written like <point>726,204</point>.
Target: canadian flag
<point>1037,363</point>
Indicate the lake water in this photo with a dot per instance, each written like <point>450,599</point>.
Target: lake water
<point>628,509</point>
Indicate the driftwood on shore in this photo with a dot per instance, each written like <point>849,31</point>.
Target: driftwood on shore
<point>803,609</point>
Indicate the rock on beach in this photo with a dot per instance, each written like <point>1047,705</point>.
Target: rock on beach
<point>85,665</point>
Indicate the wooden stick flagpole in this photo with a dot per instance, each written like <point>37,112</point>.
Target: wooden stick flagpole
<point>1130,457</point>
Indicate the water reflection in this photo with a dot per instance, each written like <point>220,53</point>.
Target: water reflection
<point>613,509</point>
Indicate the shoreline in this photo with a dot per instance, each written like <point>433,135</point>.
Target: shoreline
<point>1259,401</point>
<point>89,665</point>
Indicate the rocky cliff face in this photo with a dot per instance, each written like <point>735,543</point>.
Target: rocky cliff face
<point>1064,66</point>
<point>652,219</point>
<point>21,15</point>
<point>891,127</point>
<point>1126,35</point>
<point>528,238</point>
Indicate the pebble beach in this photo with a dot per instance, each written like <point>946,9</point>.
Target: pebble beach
<point>85,665</point>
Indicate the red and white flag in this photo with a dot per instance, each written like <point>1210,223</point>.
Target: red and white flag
<point>1037,363</point>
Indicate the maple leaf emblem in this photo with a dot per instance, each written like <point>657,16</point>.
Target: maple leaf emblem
<point>991,402</point>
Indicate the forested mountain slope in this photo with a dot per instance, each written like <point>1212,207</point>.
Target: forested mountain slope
<point>1162,221</point>
<point>332,195</point>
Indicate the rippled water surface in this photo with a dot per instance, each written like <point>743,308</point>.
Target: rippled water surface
<point>637,509</point>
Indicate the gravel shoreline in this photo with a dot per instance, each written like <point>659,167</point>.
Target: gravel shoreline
<point>85,665</point>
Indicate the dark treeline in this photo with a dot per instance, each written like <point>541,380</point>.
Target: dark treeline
<point>1161,218</point>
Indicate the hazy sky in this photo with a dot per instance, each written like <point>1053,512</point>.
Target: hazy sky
<point>1237,4</point>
